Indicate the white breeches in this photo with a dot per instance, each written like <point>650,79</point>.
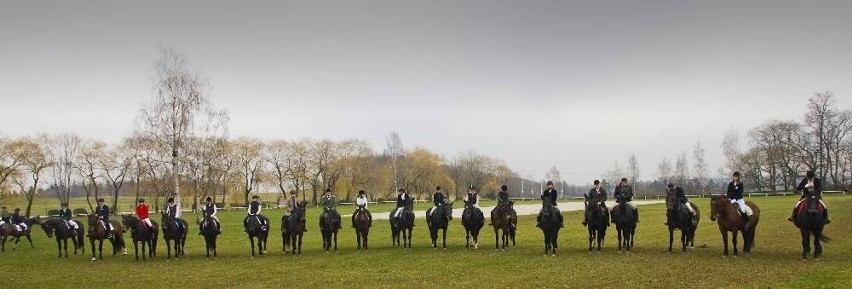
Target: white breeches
<point>742,206</point>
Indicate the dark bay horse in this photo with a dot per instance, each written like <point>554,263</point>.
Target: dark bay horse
<point>439,220</point>
<point>208,230</point>
<point>402,226</point>
<point>255,229</point>
<point>59,228</point>
<point>97,232</point>
<point>141,233</point>
<point>362,227</point>
<point>329,224</point>
<point>810,218</point>
<point>728,217</point>
<point>550,225</point>
<point>501,220</point>
<point>597,224</point>
<point>473,221</point>
<point>678,218</point>
<point>173,232</point>
<point>8,230</point>
<point>625,225</point>
<point>293,228</point>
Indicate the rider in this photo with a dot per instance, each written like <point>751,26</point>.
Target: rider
<point>735,194</point>
<point>173,212</point>
<point>142,214</point>
<point>103,213</point>
<point>209,209</point>
<point>18,220</point>
<point>65,215</point>
<point>503,196</point>
<point>677,192</point>
<point>254,211</point>
<point>624,196</point>
<point>328,203</point>
<point>549,196</point>
<point>438,201</point>
<point>361,202</point>
<point>472,199</point>
<point>810,185</point>
<point>596,195</point>
<point>401,201</point>
<point>289,206</point>
<point>4,215</point>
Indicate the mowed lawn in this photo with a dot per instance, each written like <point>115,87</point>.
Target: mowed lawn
<point>775,262</point>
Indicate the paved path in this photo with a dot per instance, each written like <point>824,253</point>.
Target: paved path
<point>521,209</point>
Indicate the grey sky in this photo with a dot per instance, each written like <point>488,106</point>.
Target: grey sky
<point>574,84</point>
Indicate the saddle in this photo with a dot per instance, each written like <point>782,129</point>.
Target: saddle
<point>805,206</point>
<point>739,210</point>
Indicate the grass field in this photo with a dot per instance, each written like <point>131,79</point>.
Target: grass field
<point>775,262</point>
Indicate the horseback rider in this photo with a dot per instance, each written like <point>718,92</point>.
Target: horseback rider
<point>361,202</point>
<point>437,200</point>
<point>142,214</point>
<point>65,215</point>
<point>173,212</point>
<point>402,200</point>
<point>548,197</point>
<point>596,195</point>
<point>254,211</point>
<point>18,220</point>
<point>678,193</point>
<point>103,214</point>
<point>810,185</point>
<point>209,210</point>
<point>503,196</point>
<point>624,196</point>
<point>471,199</point>
<point>4,215</point>
<point>289,206</point>
<point>735,194</point>
<point>328,203</point>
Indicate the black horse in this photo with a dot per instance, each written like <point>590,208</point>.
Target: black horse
<point>810,218</point>
<point>8,229</point>
<point>210,233</point>
<point>625,225</point>
<point>402,226</point>
<point>362,225</point>
<point>439,220</point>
<point>139,233</point>
<point>597,224</point>
<point>677,217</point>
<point>257,227</point>
<point>63,232</point>
<point>473,221</point>
<point>174,232</point>
<point>329,224</point>
<point>502,221</point>
<point>550,224</point>
<point>293,228</point>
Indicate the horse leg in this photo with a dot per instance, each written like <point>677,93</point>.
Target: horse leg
<point>445,238</point>
<point>734,242</point>
<point>724,241</point>
<point>335,239</point>
<point>591,237</point>
<point>101,249</point>
<point>817,245</point>
<point>251,244</point>
<point>671,238</point>
<point>684,239</point>
<point>806,246</point>
<point>300,244</point>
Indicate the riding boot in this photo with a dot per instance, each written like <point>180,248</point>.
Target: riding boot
<point>218,228</point>
<point>792,217</point>
<point>561,221</point>
<point>353,220</point>
<point>585,219</point>
<point>668,216</point>
<point>746,222</point>
<point>607,217</point>
<point>827,219</point>
<point>636,215</point>
<point>245,224</point>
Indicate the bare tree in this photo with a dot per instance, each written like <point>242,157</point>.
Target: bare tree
<point>115,164</point>
<point>33,161</point>
<point>179,97</point>
<point>394,150</point>
<point>90,156</point>
<point>63,150</point>
<point>681,168</point>
<point>249,159</point>
<point>700,166</point>
<point>731,150</point>
<point>633,170</point>
<point>664,170</point>
<point>12,157</point>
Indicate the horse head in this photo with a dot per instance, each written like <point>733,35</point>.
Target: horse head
<point>717,206</point>
<point>448,211</point>
<point>48,230</point>
<point>92,218</point>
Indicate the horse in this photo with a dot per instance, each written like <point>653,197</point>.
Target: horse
<point>63,233</point>
<point>501,220</point>
<point>550,225</point>
<point>439,220</point>
<point>329,224</point>
<point>99,233</point>
<point>728,217</point>
<point>140,233</point>
<point>625,225</point>
<point>402,226</point>
<point>362,227</point>
<point>173,232</point>
<point>8,229</point>
<point>210,233</point>
<point>293,229</point>
<point>255,229</point>
<point>473,221</point>
<point>597,224</point>
<point>678,218</point>
<point>810,219</point>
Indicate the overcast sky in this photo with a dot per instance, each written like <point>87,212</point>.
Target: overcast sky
<point>576,84</point>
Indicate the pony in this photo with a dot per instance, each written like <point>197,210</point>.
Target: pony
<point>728,217</point>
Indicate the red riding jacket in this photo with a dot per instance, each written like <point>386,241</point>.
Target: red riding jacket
<point>142,211</point>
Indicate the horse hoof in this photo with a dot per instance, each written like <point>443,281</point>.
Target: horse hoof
<point>734,256</point>
<point>620,252</point>
<point>804,259</point>
<point>724,256</point>
<point>553,255</point>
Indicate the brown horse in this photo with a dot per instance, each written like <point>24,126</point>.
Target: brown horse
<point>728,217</point>
<point>97,232</point>
<point>9,230</point>
<point>501,220</point>
<point>362,227</point>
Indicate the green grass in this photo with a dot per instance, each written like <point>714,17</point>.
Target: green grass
<point>774,263</point>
